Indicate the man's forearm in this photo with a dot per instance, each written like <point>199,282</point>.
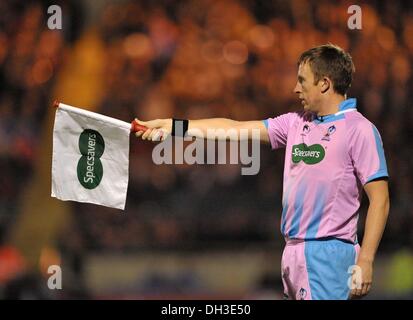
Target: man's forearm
<point>201,127</point>
<point>227,129</point>
<point>375,223</point>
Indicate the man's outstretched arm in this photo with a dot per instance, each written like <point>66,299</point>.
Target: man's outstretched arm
<point>378,194</point>
<point>214,128</point>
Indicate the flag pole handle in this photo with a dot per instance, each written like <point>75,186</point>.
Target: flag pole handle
<point>135,127</point>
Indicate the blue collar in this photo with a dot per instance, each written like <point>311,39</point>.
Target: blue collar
<point>347,104</point>
<point>350,103</point>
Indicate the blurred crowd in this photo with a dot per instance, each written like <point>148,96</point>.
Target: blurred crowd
<point>30,56</point>
<point>196,59</point>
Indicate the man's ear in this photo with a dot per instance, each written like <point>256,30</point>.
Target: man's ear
<point>325,84</point>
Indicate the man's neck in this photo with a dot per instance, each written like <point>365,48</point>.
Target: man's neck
<point>331,106</point>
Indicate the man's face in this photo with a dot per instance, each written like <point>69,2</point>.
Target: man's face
<point>308,92</point>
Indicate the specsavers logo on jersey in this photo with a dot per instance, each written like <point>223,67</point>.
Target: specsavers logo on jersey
<point>89,167</point>
<point>309,154</point>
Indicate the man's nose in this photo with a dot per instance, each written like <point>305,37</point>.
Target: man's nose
<point>297,88</point>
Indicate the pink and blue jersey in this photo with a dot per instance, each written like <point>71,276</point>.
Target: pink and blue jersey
<point>328,160</point>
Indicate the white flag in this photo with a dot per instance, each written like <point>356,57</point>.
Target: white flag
<point>90,157</point>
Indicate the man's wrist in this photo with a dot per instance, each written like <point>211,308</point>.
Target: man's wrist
<point>179,127</point>
<point>366,258</point>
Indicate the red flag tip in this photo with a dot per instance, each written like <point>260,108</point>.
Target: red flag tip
<point>135,127</point>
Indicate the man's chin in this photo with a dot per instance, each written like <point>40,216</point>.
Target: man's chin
<point>308,107</point>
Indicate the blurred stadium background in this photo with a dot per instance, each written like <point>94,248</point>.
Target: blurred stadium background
<point>200,231</point>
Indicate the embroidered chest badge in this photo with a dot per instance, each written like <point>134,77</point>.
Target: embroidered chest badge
<point>329,132</point>
<point>306,129</point>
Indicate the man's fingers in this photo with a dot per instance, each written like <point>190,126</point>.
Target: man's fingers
<point>155,131</point>
<point>150,134</point>
<point>360,287</point>
<point>146,134</point>
<point>154,135</point>
<point>355,293</point>
<point>151,137</point>
<point>366,288</point>
<point>157,135</point>
<point>359,293</point>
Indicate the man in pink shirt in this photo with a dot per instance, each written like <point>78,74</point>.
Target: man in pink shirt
<point>332,153</point>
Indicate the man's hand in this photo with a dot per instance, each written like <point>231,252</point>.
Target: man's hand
<point>158,129</point>
<point>361,282</point>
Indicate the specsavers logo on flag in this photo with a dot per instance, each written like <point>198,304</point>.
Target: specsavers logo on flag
<point>89,167</point>
<point>309,154</point>
<point>90,157</point>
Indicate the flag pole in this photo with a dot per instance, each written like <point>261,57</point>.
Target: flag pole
<point>135,127</point>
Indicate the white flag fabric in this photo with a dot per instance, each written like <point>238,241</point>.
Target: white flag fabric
<point>90,157</point>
